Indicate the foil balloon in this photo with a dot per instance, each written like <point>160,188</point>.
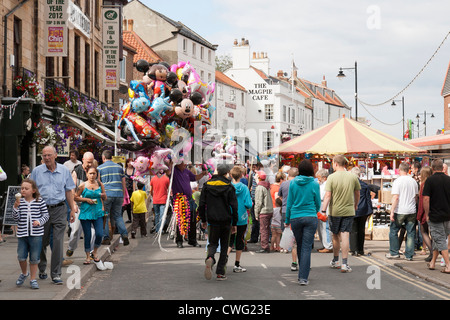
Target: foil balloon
<point>159,107</point>
<point>185,109</point>
<point>142,166</point>
<point>158,159</point>
<point>195,84</point>
<point>137,125</point>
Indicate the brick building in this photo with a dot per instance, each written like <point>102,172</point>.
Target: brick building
<point>87,109</point>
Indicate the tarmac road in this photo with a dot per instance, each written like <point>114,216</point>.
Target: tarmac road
<point>144,272</point>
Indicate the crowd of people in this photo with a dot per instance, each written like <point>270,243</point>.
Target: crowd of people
<point>287,208</point>
<point>283,211</point>
<point>421,200</point>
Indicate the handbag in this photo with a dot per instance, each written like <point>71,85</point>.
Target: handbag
<point>126,198</point>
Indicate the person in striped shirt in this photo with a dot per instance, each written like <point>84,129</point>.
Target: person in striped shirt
<point>113,178</point>
<point>30,212</point>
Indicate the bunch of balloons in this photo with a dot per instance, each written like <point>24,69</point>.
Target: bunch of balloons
<point>166,99</point>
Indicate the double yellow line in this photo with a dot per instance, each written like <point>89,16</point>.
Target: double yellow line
<point>422,285</point>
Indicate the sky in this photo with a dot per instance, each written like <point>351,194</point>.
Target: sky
<point>391,41</point>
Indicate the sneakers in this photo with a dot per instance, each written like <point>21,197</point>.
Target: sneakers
<point>335,264</point>
<point>390,256</point>
<point>294,266</point>
<point>345,268</point>
<point>21,279</point>
<point>208,268</point>
<point>125,240</point>
<point>239,269</point>
<point>303,282</point>
<point>221,277</point>
<point>57,281</point>
<point>34,284</point>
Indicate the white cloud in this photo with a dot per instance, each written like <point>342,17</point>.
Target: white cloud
<point>325,35</point>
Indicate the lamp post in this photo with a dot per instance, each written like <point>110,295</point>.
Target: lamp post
<point>403,114</point>
<point>424,121</point>
<point>341,76</point>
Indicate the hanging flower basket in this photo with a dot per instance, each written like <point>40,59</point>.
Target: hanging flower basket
<point>29,84</point>
<point>58,97</point>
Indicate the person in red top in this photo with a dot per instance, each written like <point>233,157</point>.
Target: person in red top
<point>275,187</point>
<point>159,189</point>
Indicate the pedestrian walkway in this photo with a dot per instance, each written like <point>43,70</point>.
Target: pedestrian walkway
<point>74,274</point>
<point>418,267</point>
<point>9,269</point>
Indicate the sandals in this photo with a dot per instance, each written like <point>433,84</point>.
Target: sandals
<point>87,261</point>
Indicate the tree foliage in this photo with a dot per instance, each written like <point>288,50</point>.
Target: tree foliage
<point>224,62</point>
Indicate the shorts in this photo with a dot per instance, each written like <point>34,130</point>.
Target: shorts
<point>439,232</point>
<point>276,229</point>
<point>238,238</point>
<point>340,224</point>
<point>29,246</point>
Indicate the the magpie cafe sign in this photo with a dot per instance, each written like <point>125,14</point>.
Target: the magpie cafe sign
<point>260,92</point>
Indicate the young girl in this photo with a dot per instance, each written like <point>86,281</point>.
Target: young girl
<point>276,226</point>
<point>91,194</point>
<point>30,212</point>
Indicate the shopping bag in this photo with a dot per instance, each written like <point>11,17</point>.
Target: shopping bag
<point>287,239</point>
<point>322,217</point>
<point>126,198</point>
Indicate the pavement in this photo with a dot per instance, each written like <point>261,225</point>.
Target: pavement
<point>76,275</point>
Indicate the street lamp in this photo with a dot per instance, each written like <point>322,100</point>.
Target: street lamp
<point>341,76</point>
<point>403,114</point>
<point>424,121</point>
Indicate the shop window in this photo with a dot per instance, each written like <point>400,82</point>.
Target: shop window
<point>268,112</point>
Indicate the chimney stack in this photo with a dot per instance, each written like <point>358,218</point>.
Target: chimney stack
<point>324,82</point>
<point>280,74</point>
<point>125,25</point>
<point>130,24</point>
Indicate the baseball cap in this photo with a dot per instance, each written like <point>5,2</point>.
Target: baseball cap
<point>223,169</point>
<point>261,174</point>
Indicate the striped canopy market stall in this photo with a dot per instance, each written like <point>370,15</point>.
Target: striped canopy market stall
<point>345,136</point>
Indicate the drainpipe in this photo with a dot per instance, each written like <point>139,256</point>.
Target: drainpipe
<point>5,42</point>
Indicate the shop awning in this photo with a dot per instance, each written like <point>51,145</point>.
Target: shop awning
<point>109,132</point>
<point>345,136</point>
<point>437,142</point>
<point>86,128</point>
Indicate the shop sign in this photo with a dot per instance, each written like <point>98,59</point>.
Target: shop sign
<point>55,15</point>
<point>260,92</point>
<point>79,20</point>
<point>111,48</point>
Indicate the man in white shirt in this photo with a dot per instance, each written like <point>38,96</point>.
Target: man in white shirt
<point>405,193</point>
<point>73,162</point>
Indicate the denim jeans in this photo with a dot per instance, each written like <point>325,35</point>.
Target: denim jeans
<point>394,245</point>
<point>159,212</point>
<point>304,229</point>
<point>98,227</point>
<point>32,246</point>
<point>113,207</point>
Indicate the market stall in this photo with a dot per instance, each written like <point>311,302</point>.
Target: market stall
<point>376,153</point>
